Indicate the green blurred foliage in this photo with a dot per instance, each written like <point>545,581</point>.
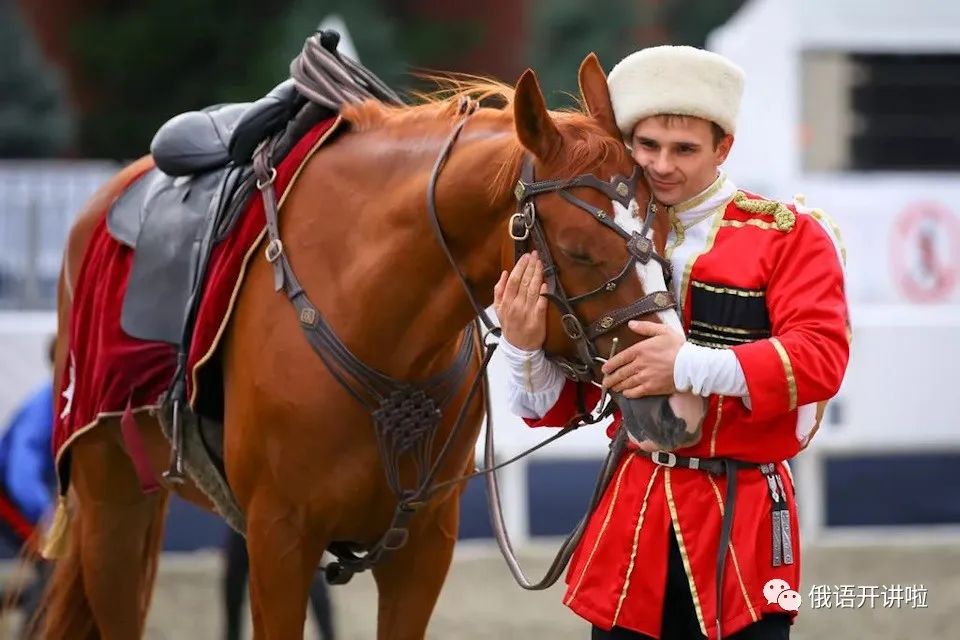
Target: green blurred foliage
<point>563,32</point>
<point>141,62</point>
<point>34,119</point>
<point>690,21</point>
<point>144,65</point>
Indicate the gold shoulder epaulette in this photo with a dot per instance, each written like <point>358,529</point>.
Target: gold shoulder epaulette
<point>783,217</point>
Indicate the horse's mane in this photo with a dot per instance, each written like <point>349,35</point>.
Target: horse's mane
<point>586,144</point>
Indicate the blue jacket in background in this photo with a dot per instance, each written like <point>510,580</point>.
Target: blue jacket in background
<point>26,461</point>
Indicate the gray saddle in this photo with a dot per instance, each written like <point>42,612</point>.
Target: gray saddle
<point>198,141</point>
<point>175,214</point>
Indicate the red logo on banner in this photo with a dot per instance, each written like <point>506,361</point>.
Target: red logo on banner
<point>926,251</point>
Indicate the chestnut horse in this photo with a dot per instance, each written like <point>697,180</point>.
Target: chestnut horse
<point>300,455</point>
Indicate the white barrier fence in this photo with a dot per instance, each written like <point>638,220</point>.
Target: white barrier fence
<point>898,398</point>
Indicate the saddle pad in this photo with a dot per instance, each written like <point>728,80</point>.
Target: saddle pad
<point>106,366</point>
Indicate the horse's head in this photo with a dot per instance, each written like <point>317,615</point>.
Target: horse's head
<point>582,203</point>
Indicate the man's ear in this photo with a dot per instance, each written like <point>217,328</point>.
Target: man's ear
<point>723,148</point>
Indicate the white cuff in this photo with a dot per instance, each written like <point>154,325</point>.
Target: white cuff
<point>530,370</point>
<point>534,384</point>
<point>705,371</point>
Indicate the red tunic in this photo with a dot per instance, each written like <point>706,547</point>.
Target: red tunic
<point>771,288</point>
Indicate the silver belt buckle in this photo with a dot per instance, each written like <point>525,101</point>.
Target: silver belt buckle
<point>664,458</point>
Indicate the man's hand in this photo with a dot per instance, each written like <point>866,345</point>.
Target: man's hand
<point>645,368</point>
<point>520,307</point>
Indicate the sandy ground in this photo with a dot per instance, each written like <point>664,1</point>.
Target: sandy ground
<point>481,602</point>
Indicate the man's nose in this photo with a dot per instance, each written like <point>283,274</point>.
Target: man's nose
<point>662,164</point>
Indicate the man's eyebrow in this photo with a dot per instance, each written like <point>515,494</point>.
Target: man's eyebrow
<point>682,143</point>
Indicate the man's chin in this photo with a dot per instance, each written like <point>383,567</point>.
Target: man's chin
<point>668,197</point>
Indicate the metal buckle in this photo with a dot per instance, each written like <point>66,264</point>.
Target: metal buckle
<point>514,219</point>
<point>668,460</point>
<point>274,250</point>
<point>570,370</point>
<point>571,325</point>
<point>273,176</point>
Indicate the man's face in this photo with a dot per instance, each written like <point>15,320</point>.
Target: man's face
<point>678,155</point>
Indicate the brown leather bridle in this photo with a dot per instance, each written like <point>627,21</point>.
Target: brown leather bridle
<point>527,231</point>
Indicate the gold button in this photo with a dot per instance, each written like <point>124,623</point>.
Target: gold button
<point>606,322</point>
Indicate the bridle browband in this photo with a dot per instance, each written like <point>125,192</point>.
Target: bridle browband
<point>406,415</point>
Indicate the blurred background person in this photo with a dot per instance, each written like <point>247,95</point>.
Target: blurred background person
<point>27,484</point>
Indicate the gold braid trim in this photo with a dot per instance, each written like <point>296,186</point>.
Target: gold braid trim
<point>783,217</point>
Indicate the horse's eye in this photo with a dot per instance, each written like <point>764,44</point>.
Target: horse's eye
<point>580,258</point>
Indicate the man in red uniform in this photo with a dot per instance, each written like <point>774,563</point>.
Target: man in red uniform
<point>761,294</point>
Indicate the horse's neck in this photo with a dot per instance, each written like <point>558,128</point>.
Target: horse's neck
<point>371,261</point>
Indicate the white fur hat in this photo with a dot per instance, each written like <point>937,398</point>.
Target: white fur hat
<point>675,80</point>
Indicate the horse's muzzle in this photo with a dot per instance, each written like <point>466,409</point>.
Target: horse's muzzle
<point>653,424</point>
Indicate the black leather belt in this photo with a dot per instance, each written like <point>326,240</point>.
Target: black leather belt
<point>780,513</point>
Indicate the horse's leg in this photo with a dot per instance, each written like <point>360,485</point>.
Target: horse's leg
<point>284,554</point>
<point>119,532</point>
<point>409,580</point>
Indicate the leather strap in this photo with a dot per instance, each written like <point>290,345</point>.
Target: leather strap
<point>467,108</point>
<point>647,305</point>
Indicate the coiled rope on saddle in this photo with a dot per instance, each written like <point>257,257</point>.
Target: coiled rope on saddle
<point>331,79</point>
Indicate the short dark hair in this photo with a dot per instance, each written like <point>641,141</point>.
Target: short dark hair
<point>718,134</point>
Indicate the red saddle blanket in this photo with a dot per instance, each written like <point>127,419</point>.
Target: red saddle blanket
<point>108,369</point>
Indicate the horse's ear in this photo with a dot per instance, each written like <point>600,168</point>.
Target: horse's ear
<point>596,94</point>
<point>535,128</point>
